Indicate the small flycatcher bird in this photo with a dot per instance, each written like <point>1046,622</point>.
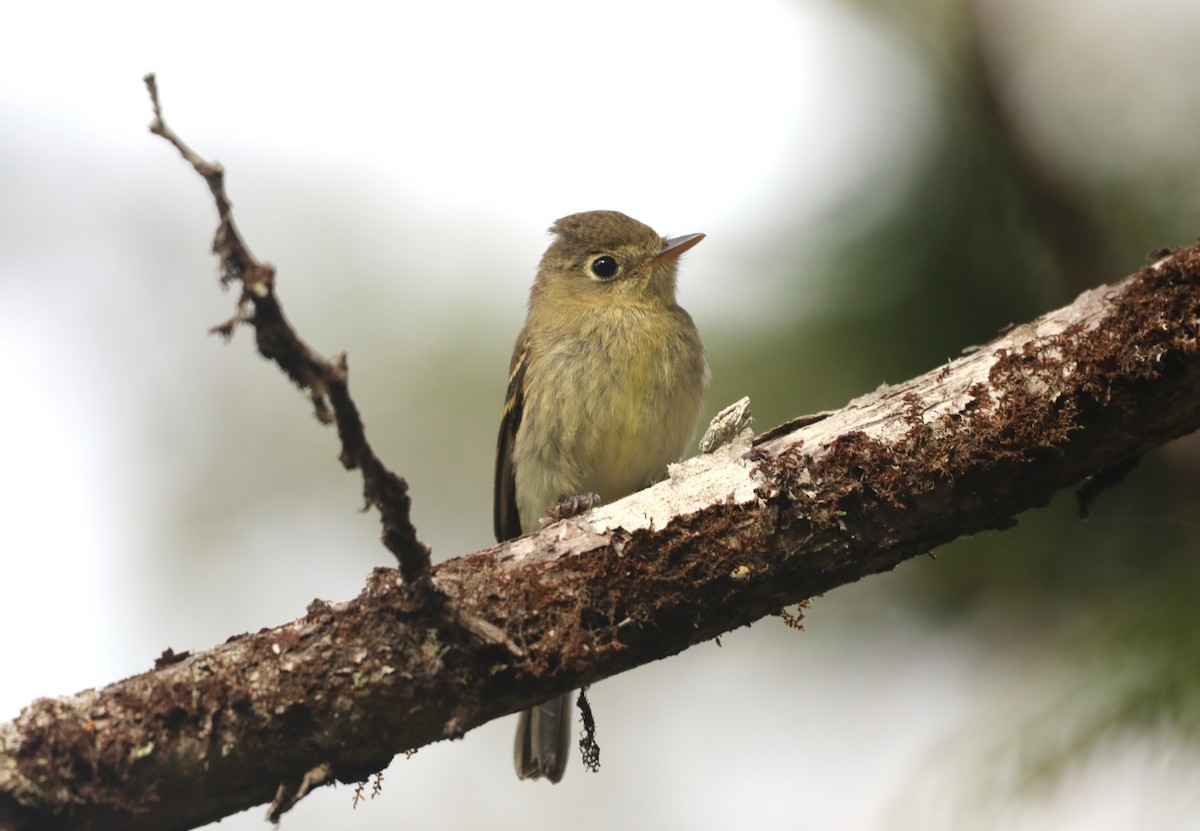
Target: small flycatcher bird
<point>604,390</point>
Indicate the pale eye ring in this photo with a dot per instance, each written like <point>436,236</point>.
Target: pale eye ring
<point>605,267</point>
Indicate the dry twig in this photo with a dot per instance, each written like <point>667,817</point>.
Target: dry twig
<point>324,380</point>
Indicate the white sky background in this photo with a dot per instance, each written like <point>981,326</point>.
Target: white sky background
<point>425,146</point>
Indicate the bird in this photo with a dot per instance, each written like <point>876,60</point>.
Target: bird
<point>605,389</point>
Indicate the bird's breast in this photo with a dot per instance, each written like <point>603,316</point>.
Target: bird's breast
<point>607,406</point>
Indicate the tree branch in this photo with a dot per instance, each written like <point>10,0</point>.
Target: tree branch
<point>324,380</point>
<point>729,538</point>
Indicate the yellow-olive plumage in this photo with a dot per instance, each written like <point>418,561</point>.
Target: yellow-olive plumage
<point>604,391</point>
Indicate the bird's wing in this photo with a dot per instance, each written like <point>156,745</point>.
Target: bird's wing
<point>504,506</point>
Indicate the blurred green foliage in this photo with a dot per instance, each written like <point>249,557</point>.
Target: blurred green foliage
<point>993,232</point>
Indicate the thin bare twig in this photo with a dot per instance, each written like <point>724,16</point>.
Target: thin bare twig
<point>286,797</point>
<point>324,380</point>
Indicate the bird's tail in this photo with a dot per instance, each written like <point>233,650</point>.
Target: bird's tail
<point>544,740</point>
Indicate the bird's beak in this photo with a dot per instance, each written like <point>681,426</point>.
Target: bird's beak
<point>674,246</point>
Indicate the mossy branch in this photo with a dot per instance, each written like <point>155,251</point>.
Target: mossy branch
<point>730,537</point>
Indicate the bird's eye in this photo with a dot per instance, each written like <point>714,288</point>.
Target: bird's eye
<point>605,267</point>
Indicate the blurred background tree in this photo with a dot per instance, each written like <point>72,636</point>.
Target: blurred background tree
<point>1057,166</point>
<point>883,184</point>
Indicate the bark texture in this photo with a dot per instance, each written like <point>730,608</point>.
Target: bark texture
<point>728,538</point>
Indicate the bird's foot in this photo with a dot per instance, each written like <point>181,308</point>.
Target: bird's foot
<point>571,507</point>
